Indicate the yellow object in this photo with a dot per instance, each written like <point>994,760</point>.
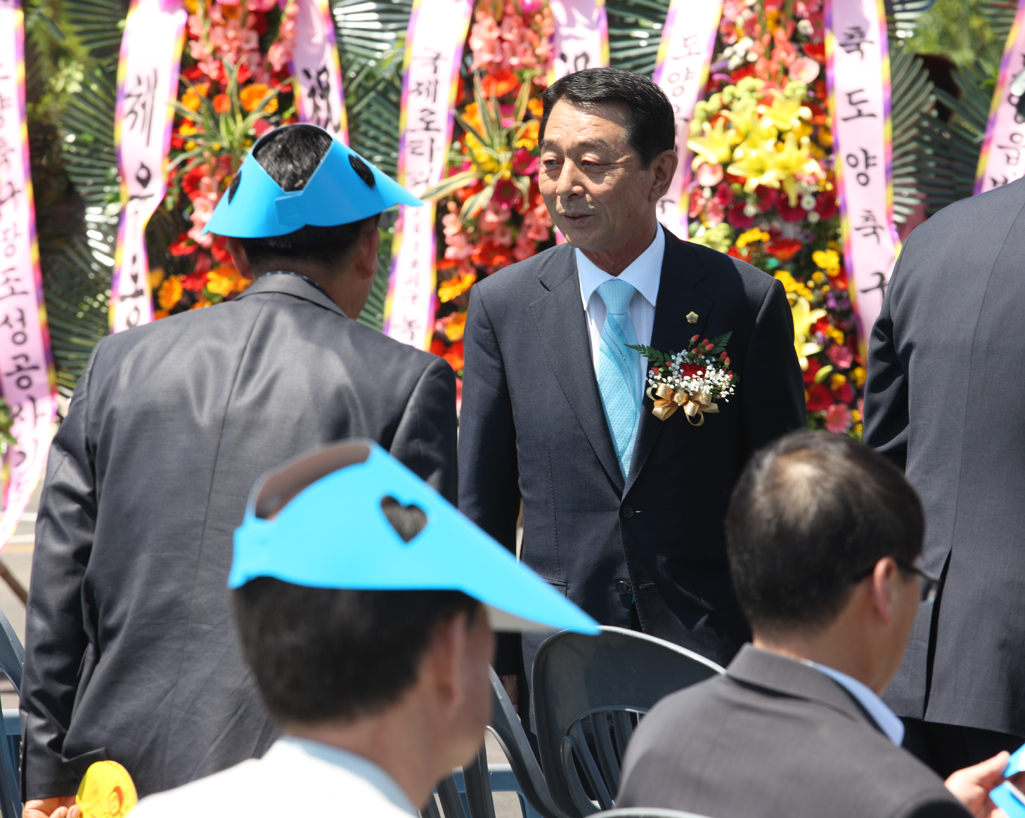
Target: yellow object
<point>106,791</point>
<point>692,318</point>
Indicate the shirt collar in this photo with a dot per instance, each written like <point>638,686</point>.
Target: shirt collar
<point>888,722</point>
<point>643,274</point>
<point>357,765</point>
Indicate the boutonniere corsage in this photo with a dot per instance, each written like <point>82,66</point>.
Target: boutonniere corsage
<point>693,380</point>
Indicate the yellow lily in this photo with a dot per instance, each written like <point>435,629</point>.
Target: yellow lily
<point>804,318</point>
<point>784,113</point>
<point>714,147</point>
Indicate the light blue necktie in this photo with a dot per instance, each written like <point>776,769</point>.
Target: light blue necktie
<point>617,369</point>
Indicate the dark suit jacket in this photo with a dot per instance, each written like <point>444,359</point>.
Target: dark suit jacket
<point>131,652</point>
<point>771,738</point>
<point>533,426</point>
<point>944,401</point>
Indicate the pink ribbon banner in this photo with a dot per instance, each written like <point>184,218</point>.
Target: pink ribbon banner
<point>27,377</point>
<point>434,51</point>
<point>681,70</point>
<point>316,68</point>
<point>858,77</point>
<point>581,37</point>
<point>147,84</point>
<point>1001,160</point>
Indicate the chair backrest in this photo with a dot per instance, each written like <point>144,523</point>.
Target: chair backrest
<point>589,692</point>
<point>12,659</point>
<point>508,730</point>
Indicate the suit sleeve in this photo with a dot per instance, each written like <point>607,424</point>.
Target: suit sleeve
<point>488,470</point>
<point>425,440</point>
<point>55,631</point>
<point>772,380</point>
<point>886,388</point>
<point>933,806</point>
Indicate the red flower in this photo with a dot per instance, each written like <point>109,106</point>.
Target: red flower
<point>845,392</point>
<point>813,367</point>
<point>817,51</point>
<point>819,398</point>
<point>244,73</point>
<point>766,196</point>
<point>183,246</point>
<point>788,213</point>
<point>736,217</point>
<point>688,370</point>
<point>782,248</point>
<point>826,205</point>
<point>194,282</point>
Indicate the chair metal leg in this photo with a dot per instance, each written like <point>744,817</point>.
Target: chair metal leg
<point>448,794</point>
<point>430,809</point>
<point>478,787</point>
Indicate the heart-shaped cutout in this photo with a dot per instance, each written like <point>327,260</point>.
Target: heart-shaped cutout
<point>408,521</point>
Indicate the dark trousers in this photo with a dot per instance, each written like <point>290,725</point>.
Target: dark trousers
<point>950,747</point>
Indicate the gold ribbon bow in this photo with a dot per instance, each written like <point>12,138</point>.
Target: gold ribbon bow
<point>667,400</point>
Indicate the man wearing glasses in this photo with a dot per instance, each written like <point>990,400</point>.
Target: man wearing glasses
<point>824,538</point>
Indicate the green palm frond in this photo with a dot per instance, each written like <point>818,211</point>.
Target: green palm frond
<point>912,99</point>
<point>98,25</point>
<point>902,17</point>
<point>371,36</point>
<point>635,29</point>
<point>999,16</point>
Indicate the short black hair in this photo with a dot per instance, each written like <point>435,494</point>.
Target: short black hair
<point>808,517</point>
<point>652,128</point>
<point>324,654</point>
<point>290,154</point>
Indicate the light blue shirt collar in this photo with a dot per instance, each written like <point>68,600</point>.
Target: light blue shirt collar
<point>643,274</point>
<point>883,716</point>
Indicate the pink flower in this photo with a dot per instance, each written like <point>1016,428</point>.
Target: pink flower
<point>804,70</point>
<point>841,355</point>
<point>261,5</point>
<point>838,418</point>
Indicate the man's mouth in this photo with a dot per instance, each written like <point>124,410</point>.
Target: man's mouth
<point>576,218</point>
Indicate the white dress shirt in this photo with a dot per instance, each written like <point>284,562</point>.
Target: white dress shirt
<point>888,722</point>
<point>643,274</point>
<point>295,776</point>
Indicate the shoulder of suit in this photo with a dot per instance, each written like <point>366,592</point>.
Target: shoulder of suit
<point>194,324</point>
<point>950,221</point>
<point>526,273</point>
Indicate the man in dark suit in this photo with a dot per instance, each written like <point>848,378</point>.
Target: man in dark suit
<point>824,539</point>
<point>621,510</point>
<point>130,653</point>
<point>943,402</point>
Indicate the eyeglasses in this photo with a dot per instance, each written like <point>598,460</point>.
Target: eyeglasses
<point>930,584</point>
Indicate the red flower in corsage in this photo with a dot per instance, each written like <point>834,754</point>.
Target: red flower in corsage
<point>692,380</point>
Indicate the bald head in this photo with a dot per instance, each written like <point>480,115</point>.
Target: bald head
<point>808,517</point>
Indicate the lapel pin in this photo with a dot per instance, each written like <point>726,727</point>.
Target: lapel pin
<point>692,318</point>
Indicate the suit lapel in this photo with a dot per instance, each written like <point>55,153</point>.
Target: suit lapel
<point>561,322</point>
<point>677,298</point>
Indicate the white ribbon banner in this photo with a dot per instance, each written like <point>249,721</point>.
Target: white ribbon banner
<point>581,37</point>
<point>27,377</point>
<point>434,51</point>
<point>681,71</point>
<point>315,65</point>
<point>147,78</point>
<point>1001,160</point>
<point>858,74</point>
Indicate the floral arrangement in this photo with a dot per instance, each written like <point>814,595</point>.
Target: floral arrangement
<point>493,214</point>
<point>235,86</point>
<point>763,187</point>
<point>692,380</point>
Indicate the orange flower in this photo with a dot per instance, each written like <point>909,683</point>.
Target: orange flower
<point>200,304</point>
<point>191,98</point>
<point>500,84</point>
<point>222,280</point>
<point>252,95</point>
<point>454,355</point>
<point>158,314</point>
<point>455,287</point>
<point>454,326</point>
<point>222,104</point>
<point>536,107</point>
<point>170,293</point>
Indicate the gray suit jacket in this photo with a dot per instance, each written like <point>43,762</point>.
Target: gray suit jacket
<point>944,401</point>
<point>533,426</point>
<point>131,652</point>
<point>774,737</point>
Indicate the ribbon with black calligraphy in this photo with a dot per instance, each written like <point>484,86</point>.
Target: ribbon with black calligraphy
<point>1002,159</point>
<point>581,38</point>
<point>858,76</point>
<point>147,82</point>
<point>316,69</point>
<point>27,378</point>
<point>434,51</point>
<point>681,70</point>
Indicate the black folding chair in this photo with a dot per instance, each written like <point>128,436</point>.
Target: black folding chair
<point>589,693</point>
<point>12,659</point>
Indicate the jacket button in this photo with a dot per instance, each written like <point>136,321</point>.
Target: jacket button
<point>627,511</point>
<point>622,587</point>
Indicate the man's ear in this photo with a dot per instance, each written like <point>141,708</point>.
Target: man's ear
<point>238,255</point>
<point>366,251</point>
<point>445,656</point>
<point>884,576</point>
<point>664,166</point>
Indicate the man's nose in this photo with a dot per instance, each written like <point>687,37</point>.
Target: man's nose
<point>569,181</point>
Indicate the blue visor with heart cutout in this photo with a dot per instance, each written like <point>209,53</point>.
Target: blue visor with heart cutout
<point>335,194</point>
<point>331,531</point>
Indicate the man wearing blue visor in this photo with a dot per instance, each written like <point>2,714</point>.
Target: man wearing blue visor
<point>130,653</point>
<point>365,605</point>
